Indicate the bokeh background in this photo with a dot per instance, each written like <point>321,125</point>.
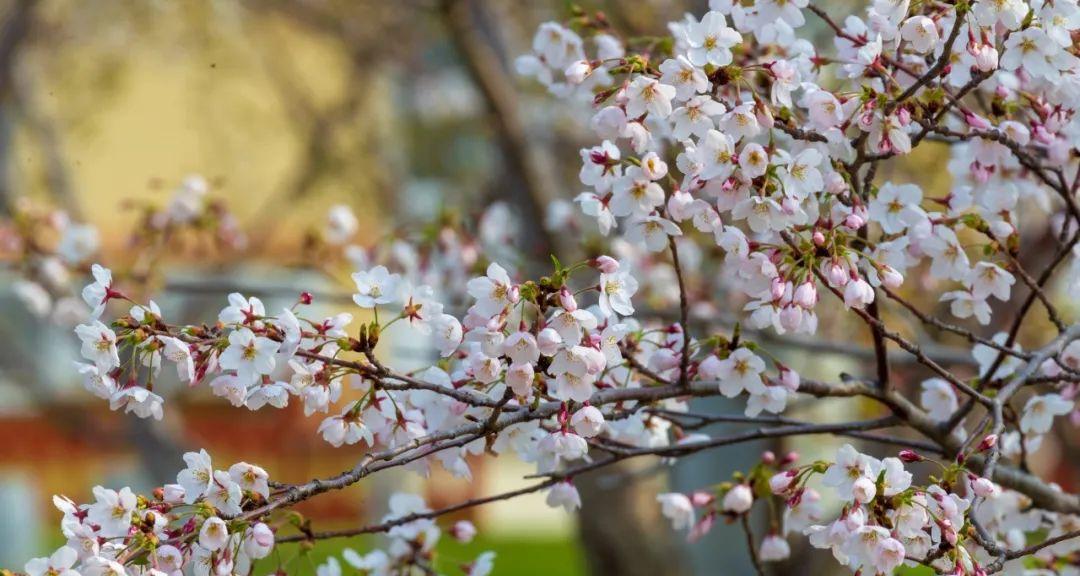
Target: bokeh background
<point>406,111</point>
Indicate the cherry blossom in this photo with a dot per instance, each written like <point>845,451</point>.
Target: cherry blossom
<point>741,183</point>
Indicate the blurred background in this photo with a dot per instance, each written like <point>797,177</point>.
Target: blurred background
<point>407,112</point>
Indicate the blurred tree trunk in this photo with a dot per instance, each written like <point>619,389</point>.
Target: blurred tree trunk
<point>536,187</point>
<point>15,29</point>
<point>619,519</point>
<point>622,531</point>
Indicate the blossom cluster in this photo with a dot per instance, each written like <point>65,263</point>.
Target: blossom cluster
<point>210,522</point>
<point>194,523</point>
<point>732,136</point>
<point>886,519</point>
<point>412,544</point>
<point>735,135</point>
<point>737,132</point>
<point>49,250</point>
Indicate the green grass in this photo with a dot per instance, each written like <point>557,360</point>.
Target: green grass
<point>521,556</point>
<point>914,571</point>
<point>518,555</point>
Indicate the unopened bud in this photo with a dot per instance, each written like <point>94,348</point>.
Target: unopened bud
<point>701,499</point>
<point>984,488</point>
<point>911,456</point>
<point>976,121</point>
<point>577,72</point>
<point>605,264</point>
<point>854,221</point>
<point>566,299</point>
<point>782,481</point>
<point>463,531</point>
<point>891,277</point>
<point>988,442</point>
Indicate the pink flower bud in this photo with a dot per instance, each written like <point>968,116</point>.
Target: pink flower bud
<point>890,276</point>
<point>911,456</point>
<point>819,238</point>
<point>986,58</point>
<point>791,318</point>
<point>566,299</point>
<point>858,293</point>
<point>173,494</point>
<point>774,549</point>
<point>701,499</point>
<point>768,457</point>
<point>577,72</point>
<point>854,221</point>
<point>790,457</point>
<point>988,442</point>
<point>259,541</point>
<point>738,500</point>
<point>262,534</point>
<point>776,288</point>
<point>679,204</point>
<point>977,122</point>
<point>702,527</point>
<point>806,295</point>
<point>463,531</point>
<point>790,379</point>
<point>782,481</point>
<point>305,298</point>
<point>587,421</point>
<point>836,275</point>
<point>606,264</point>
<point>984,487</point>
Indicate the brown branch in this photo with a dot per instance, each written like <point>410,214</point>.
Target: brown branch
<point>385,526</point>
<point>684,312</point>
<point>487,72</point>
<point>751,545</point>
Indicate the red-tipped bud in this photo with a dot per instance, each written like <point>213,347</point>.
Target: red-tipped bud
<point>910,456</point>
<point>566,299</point>
<point>605,264</point>
<point>781,482</point>
<point>305,298</point>
<point>987,443</point>
<point>701,499</point>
